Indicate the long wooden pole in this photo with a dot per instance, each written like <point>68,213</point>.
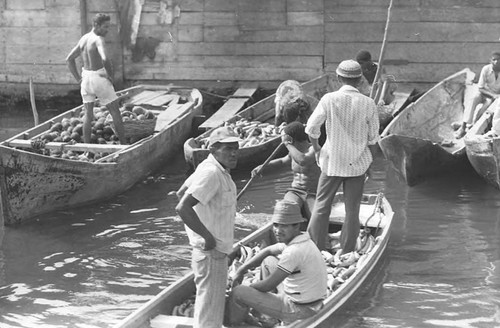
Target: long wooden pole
<point>257,173</point>
<point>382,52</point>
<point>32,100</point>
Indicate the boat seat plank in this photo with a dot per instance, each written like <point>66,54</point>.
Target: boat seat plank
<point>167,321</point>
<point>94,148</point>
<point>246,90</point>
<point>162,100</point>
<point>228,110</point>
<point>145,96</point>
<point>171,114</point>
<point>235,103</point>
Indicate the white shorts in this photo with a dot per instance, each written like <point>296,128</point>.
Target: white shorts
<point>95,84</point>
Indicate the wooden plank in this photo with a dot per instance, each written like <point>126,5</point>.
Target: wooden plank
<point>411,32</point>
<point>246,90</point>
<point>228,110</point>
<point>162,100</point>
<point>171,114</point>
<point>146,96</point>
<point>305,18</point>
<point>256,34</point>
<point>62,146</point>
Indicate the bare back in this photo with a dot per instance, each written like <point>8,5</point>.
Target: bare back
<point>89,45</point>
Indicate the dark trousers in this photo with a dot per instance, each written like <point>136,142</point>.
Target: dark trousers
<point>327,188</point>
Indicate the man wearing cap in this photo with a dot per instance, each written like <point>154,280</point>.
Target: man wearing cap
<point>299,274</point>
<point>351,135</point>
<point>208,208</point>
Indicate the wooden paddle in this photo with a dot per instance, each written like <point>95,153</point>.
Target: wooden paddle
<point>258,172</point>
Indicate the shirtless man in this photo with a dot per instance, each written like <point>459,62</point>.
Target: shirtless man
<point>306,172</point>
<point>97,76</point>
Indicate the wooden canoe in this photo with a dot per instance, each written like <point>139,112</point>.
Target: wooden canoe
<point>375,212</point>
<point>262,111</point>
<point>484,152</point>
<point>420,141</point>
<point>32,184</point>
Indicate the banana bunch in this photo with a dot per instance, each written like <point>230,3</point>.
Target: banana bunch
<point>341,267</point>
<point>251,133</point>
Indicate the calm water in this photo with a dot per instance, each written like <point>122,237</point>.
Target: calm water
<point>91,267</point>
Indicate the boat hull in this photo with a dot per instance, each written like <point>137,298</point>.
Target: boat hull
<point>156,312</point>
<point>484,153</point>
<point>32,184</point>
<point>263,111</point>
<point>420,141</point>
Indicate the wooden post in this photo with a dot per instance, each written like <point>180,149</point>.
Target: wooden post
<point>83,16</point>
<point>382,51</point>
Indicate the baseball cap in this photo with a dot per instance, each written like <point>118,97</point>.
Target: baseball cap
<point>223,134</point>
<point>287,212</point>
<point>349,69</point>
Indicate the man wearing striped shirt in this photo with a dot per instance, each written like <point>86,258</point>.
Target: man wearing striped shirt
<point>351,133</point>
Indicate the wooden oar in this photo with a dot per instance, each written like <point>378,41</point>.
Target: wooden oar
<point>382,52</point>
<point>258,172</point>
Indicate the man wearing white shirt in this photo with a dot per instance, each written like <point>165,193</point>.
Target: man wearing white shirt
<point>352,129</point>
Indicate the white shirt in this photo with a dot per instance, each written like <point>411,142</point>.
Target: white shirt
<point>215,190</point>
<point>302,260</point>
<point>351,125</point>
<point>488,80</point>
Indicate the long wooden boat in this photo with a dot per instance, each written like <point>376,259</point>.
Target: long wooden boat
<point>420,141</point>
<point>263,111</point>
<point>484,152</point>
<point>375,213</point>
<point>33,183</point>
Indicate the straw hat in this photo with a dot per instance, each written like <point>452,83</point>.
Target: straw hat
<point>287,212</point>
<point>349,69</point>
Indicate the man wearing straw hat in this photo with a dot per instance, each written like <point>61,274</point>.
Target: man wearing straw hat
<point>351,132</point>
<point>299,275</point>
<point>208,208</point>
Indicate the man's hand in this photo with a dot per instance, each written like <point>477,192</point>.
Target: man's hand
<point>286,139</point>
<point>237,279</point>
<point>257,171</point>
<point>209,243</point>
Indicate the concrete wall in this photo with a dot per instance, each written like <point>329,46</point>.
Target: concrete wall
<point>212,41</point>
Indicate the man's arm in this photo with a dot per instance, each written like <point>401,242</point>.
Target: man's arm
<point>70,60</point>
<point>271,282</point>
<point>106,62</point>
<point>188,215</point>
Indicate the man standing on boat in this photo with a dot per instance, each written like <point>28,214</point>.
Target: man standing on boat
<point>294,267</point>
<point>301,158</point>
<point>96,80</point>
<point>489,90</point>
<point>352,132</point>
<point>208,208</point>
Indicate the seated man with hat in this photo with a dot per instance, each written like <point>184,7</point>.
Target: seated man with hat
<point>294,266</point>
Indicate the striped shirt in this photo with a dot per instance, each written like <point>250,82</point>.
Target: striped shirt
<point>215,190</point>
<point>351,125</point>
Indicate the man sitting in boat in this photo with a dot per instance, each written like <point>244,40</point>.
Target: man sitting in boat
<point>293,267</point>
<point>303,163</point>
<point>488,91</point>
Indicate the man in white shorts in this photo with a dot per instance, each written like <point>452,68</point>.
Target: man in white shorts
<point>97,76</point>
